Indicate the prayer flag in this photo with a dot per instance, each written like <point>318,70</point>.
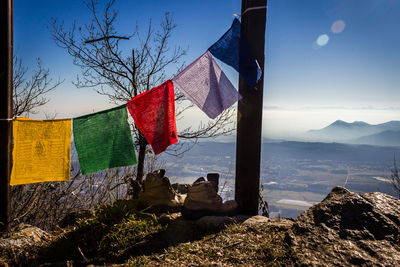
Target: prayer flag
<point>103,140</point>
<point>233,49</point>
<point>154,114</point>
<point>42,151</point>
<point>206,85</point>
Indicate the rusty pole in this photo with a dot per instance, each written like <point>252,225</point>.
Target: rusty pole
<point>6,62</point>
<point>248,143</point>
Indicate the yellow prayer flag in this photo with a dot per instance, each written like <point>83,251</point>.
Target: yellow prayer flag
<point>42,151</point>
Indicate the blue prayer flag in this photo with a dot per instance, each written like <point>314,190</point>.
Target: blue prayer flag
<point>233,49</point>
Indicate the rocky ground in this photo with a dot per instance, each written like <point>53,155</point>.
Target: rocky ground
<point>348,229</point>
<point>345,229</point>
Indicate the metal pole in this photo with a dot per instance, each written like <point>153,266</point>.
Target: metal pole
<point>248,143</point>
<point>6,62</point>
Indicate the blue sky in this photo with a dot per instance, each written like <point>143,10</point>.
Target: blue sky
<point>351,75</point>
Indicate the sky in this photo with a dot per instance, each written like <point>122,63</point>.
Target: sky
<point>324,60</point>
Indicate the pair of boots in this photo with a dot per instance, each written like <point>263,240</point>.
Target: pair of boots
<point>201,199</point>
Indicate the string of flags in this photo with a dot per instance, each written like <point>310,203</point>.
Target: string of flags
<point>103,140</point>
<point>205,85</point>
<point>42,148</point>
<point>154,114</point>
<point>41,151</point>
<point>234,49</point>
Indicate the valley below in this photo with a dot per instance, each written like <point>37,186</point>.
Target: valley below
<point>294,175</point>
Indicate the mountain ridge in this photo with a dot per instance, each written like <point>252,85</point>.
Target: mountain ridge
<point>358,132</point>
<point>385,138</point>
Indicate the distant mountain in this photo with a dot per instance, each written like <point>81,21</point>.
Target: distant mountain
<point>385,138</point>
<point>224,154</point>
<point>390,126</point>
<point>341,131</point>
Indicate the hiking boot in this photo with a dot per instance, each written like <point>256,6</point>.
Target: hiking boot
<point>158,192</point>
<point>214,179</point>
<point>203,200</point>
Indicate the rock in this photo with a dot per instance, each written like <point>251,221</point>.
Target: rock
<point>214,223</point>
<point>347,229</point>
<point>387,205</point>
<point>24,235</point>
<point>165,218</point>
<point>180,188</point>
<point>21,244</point>
<point>180,231</point>
<point>256,220</point>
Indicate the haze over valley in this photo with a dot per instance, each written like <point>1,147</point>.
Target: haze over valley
<point>296,174</point>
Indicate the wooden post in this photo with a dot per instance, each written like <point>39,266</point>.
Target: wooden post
<point>250,108</point>
<point>6,62</point>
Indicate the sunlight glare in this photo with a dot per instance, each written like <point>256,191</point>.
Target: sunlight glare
<point>338,26</point>
<point>322,40</point>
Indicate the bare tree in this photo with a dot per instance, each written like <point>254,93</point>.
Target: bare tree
<point>121,75</point>
<point>395,178</point>
<point>47,204</point>
<point>29,93</point>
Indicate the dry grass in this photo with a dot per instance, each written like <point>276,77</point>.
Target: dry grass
<point>238,245</point>
<point>120,235</point>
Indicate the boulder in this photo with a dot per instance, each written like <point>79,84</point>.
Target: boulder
<point>347,229</point>
<point>20,247</point>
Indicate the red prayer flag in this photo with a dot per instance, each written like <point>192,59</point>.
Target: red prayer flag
<point>154,114</point>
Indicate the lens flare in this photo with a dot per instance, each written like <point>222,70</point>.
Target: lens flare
<point>338,26</point>
<point>322,40</point>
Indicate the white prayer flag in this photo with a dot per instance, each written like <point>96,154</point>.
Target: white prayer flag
<point>206,85</point>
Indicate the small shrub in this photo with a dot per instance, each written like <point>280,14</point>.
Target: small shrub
<point>106,236</point>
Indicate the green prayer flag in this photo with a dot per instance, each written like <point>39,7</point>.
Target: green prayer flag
<point>103,140</point>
